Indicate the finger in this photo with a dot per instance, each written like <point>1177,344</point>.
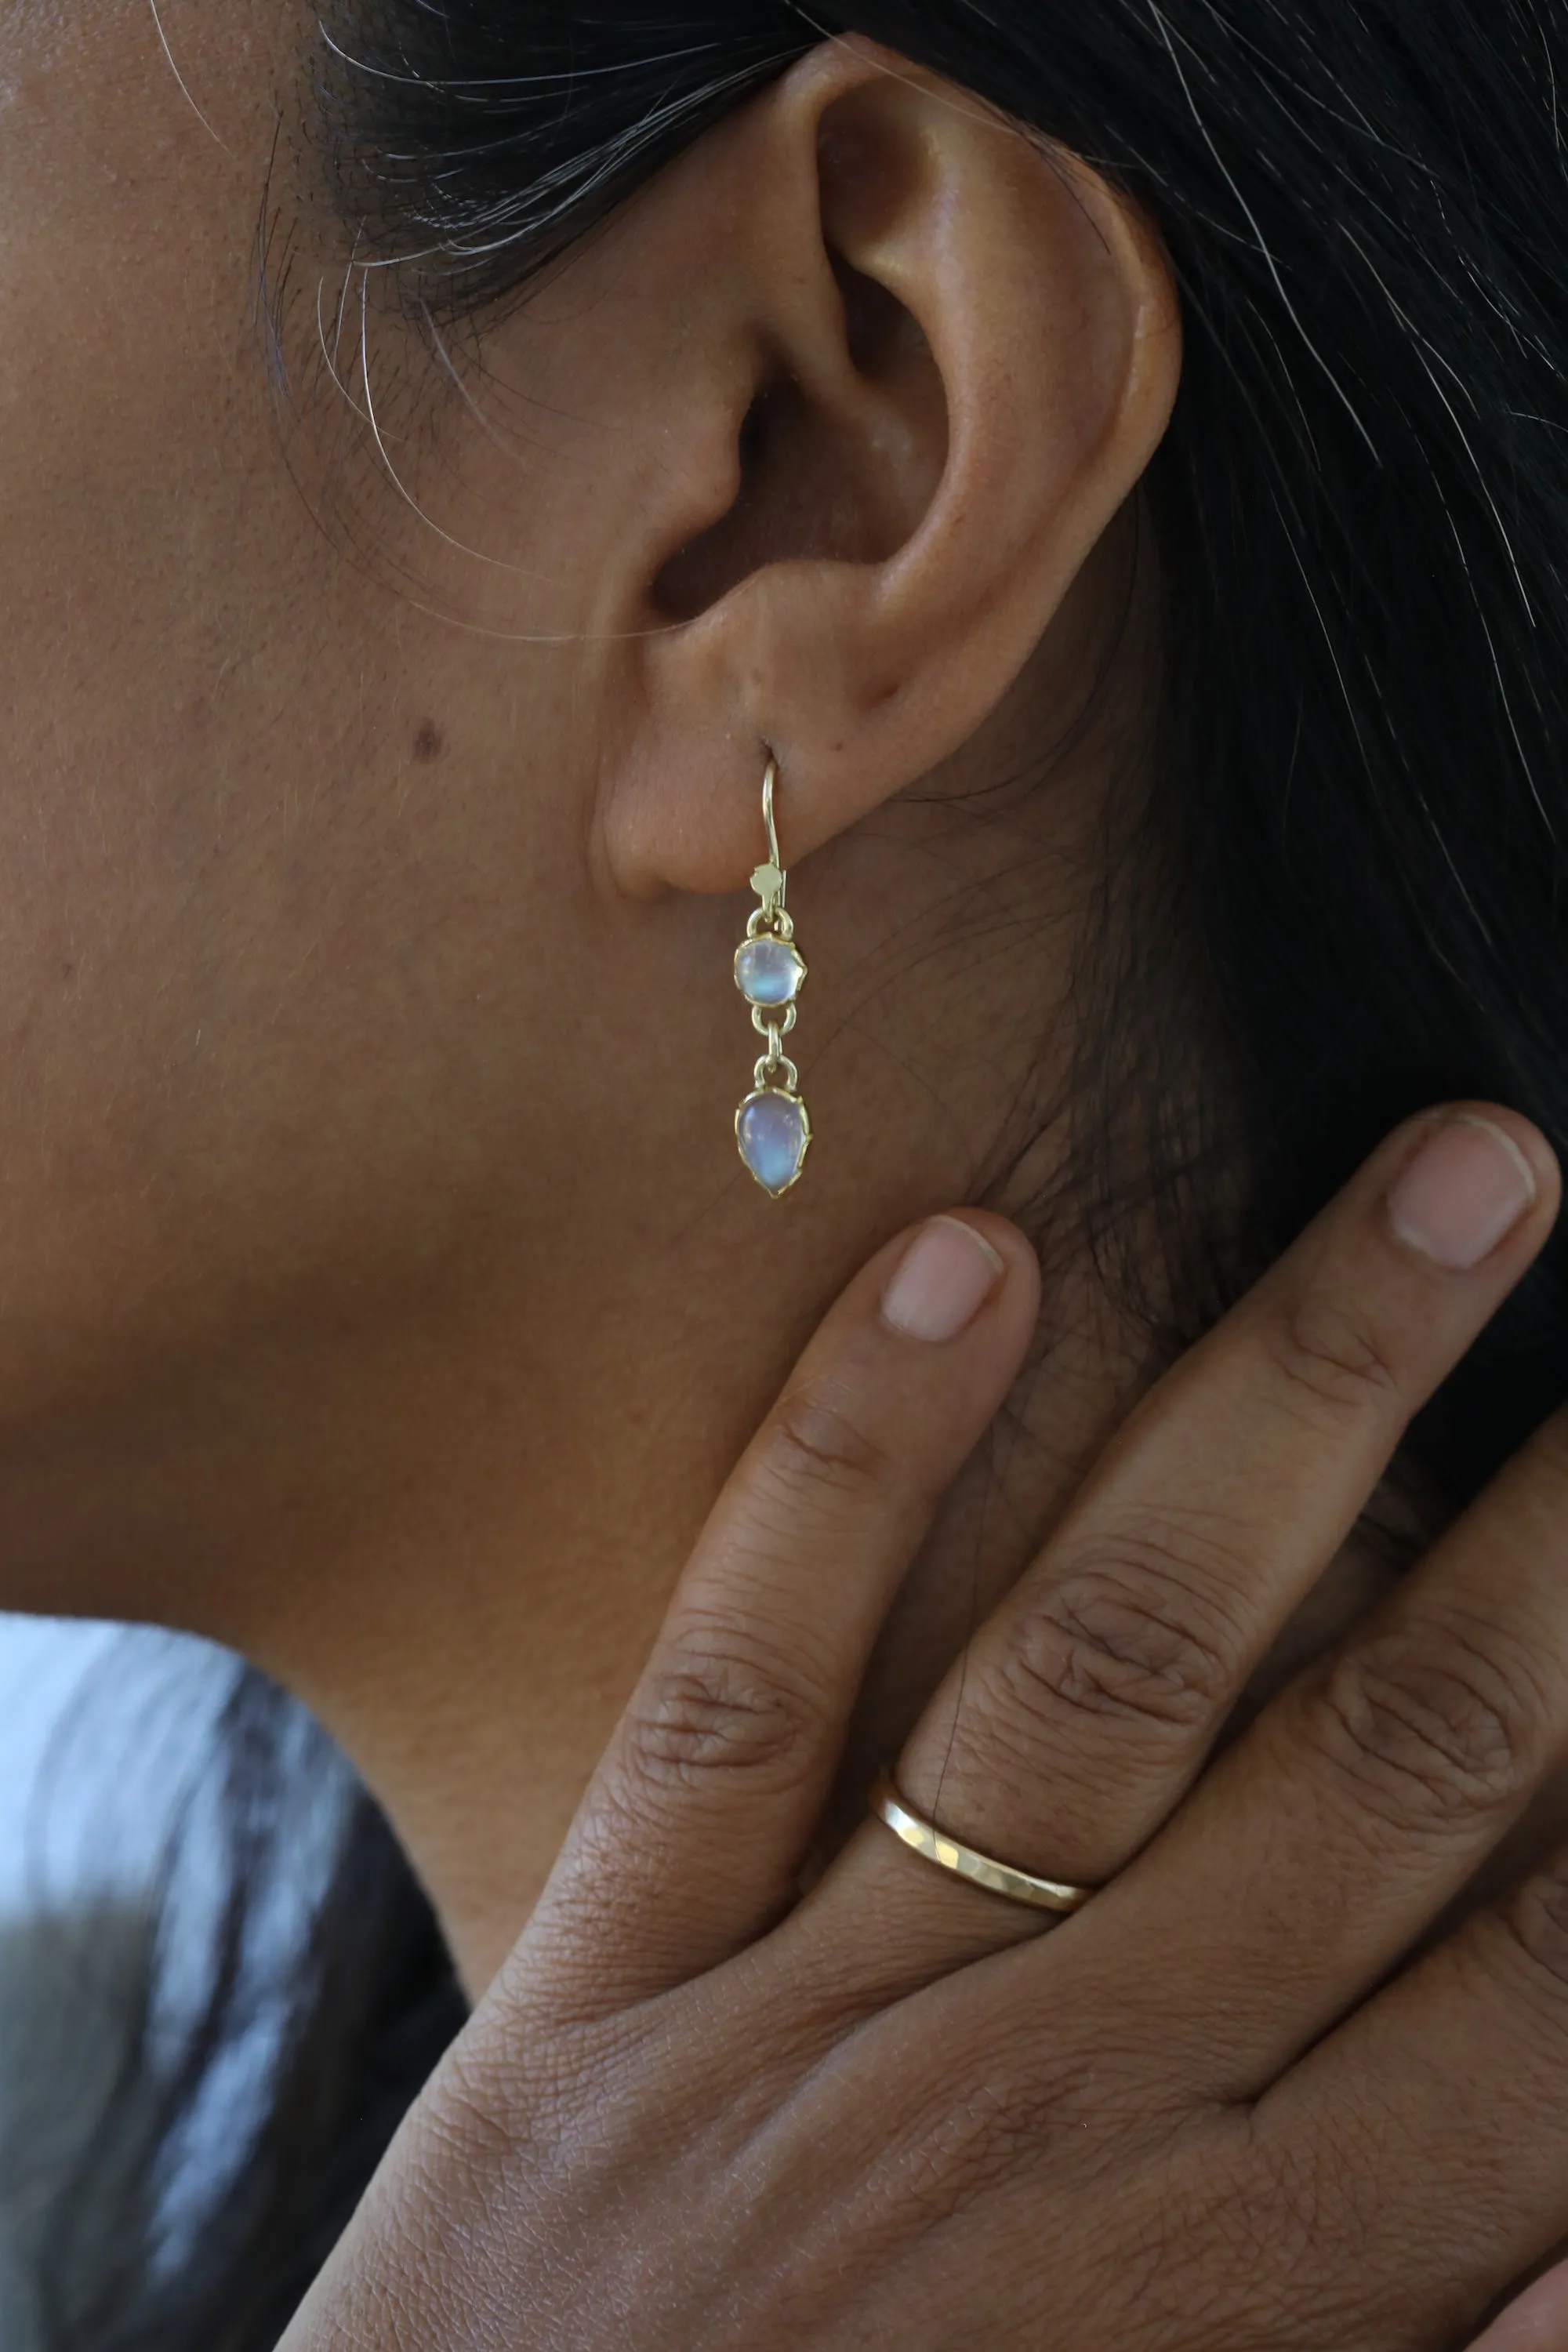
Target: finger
<point>1536,2321</point>
<point>1321,1846</point>
<point>690,1837</point>
<point>1084,1710</point>
<point>1448,2094</point>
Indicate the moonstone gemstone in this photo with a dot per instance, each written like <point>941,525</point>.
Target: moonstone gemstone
<point>773,1132</point>
<point>769,972</point>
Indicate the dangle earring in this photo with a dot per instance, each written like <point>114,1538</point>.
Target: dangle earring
<point>770,1127</point>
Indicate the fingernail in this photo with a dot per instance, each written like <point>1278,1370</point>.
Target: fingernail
<point>941,1282</point>
<point>1462,1192</point>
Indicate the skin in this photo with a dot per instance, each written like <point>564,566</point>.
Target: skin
<point>383,1295</point>
<point>330,1250</point>
<point>1212,2109</point>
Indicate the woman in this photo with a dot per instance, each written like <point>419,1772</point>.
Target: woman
<point>1083,483</point>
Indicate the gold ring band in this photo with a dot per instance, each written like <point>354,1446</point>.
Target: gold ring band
<point>999,1877</point>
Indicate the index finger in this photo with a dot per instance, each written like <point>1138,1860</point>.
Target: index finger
<point>690,1837</point>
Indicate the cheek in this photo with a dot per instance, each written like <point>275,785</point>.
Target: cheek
<point>290,897</point>
<point>204,840</point>
<point>137,553</point>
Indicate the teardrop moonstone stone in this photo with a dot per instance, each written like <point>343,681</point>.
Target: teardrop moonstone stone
<point>773,1132</point>
<point>769,970</point>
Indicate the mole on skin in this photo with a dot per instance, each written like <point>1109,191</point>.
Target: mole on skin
<point>427,740</point>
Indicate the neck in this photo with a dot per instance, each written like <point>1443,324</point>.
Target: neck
<point>475,1651</point>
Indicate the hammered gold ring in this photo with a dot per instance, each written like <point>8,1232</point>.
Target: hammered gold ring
<point>933,1846</point>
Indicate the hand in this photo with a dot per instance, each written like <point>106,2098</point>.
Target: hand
<point>1220,2108</point>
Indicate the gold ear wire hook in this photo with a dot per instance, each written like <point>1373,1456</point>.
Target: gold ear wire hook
<point>770,778</point>
<point>769,881</point>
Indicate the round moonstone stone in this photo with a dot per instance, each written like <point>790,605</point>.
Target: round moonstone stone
<point>768,970</point>
<point>773,1132</point>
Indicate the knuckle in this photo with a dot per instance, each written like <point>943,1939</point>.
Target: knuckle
<point>1273,2216</point>
<point>959,2152</point>
<point>813,1445</point>
<point>471,2109</point>
<point>1329,1356</point>
<point>1429,1725</point>
<point>975,2132</point>
<point>717,1711</point>
<point>1535,1921</point>
<point>1119,1640</point>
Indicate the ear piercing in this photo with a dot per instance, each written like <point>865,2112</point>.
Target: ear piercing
<point>770,1127</point>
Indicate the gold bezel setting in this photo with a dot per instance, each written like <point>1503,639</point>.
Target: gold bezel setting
<point>767,1003</point>
<point>783,1094</point>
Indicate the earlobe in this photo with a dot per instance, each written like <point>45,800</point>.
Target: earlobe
<point>964,351</point>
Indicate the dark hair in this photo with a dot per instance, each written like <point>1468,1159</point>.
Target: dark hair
<point>1361,514</point>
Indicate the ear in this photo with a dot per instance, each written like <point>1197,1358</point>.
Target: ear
<point>922,361</point>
